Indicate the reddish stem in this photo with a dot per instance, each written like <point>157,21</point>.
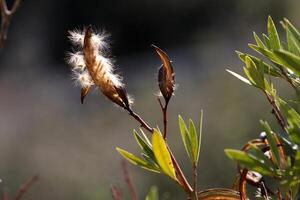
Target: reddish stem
<point>128,180</point>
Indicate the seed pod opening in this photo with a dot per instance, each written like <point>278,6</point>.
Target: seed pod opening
<point>91,67</point>
<point>166,75</point>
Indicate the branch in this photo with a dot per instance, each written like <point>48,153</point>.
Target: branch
<point>128,180</point>
<point>6,16</point>
<point>165,117</point>
<point>276,112</point>
<point>195,177</point>
<point>182,180</point>
<point>140,120</point>
<point>116,192</point>
<point>25,187</point>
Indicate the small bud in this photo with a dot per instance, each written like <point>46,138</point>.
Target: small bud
<point>166,75</point>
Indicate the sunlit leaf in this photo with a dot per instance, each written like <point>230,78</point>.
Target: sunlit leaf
<point>258,40</point>
<point>147,149</point>
<point>184,132</point>
<point>200,135</point>
<point>162,154</point>
<point>268,69</point>
<point>136,160</point>
<point>239,77</point>
<point>250,162</point>
<point>153,194</point>
<point>288,60</point>
<point>194,140</point>
<point>273,34</point>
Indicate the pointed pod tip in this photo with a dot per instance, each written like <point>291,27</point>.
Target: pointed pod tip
<point>84,92</point>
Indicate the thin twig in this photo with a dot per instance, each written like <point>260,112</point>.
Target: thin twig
<point>140,120</point>
<point>128,180</point>
<point>116,192</point>
<point>181,178</point>
<point>195,183</point>
<point>276,112</point>
<point>5,194</point>
<point>25,187</point>
<point>179,174</point>
<point>6,16</point>
<point>164,110</point>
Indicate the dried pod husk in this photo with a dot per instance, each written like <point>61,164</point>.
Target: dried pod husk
<point>166,75</point>
<point>219,194</point>
<point>101,74</point>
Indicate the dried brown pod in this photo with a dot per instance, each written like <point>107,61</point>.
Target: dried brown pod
<point>166,75</point>
<point>91,67</point>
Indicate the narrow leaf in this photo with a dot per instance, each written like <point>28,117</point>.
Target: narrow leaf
<point>288,60</point>
<point>162,154</point>
<point>194,140</point>
<point>249,162</point>
<point>239,77</point>
<point>273,34</point>
<point>185,136</point>
<point>272,142</point>
<point>153,194</point>
<point>258,40</point>
<point>147,149</point>
<point>136,160</point>
<point>200,135</point>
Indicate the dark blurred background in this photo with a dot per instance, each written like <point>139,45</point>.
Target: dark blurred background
<point>45,130</point>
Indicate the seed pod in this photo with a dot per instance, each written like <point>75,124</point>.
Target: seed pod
<point>166,75</point>
<point>90,67</point>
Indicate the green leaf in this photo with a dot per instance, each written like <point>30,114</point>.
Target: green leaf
<point>268,69</point>
<point>293,45</point>
<point>294,32</point>
<point>257,153</point>
<point>136,160</point>
<point>185,137</point>
<point>272,142</point>
<point>162,154</point>
<point>194,140</point>
<point>250,162</point>
<point>153,194</point>
<point>288,60</point>
<point>269,54</point>
<point>200,135</point>
<point>239,77</point>
<point>147,149</point>
<point>273,34</point>
<point>258,41</point>
<point>293,120</point>
<point>254,75</point>
<point>267,41</point>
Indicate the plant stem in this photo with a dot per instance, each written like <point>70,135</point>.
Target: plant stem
<point>181,178</point>
<point>128,180</point>
<point>164,110</point>
<point>25,187</point>
<point>6,15</point>
<point>116,193</point>
<point>140,120</point>
<point>276,112</point>
<point>195,177</point>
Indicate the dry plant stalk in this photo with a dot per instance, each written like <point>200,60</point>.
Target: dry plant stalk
<point>6,16</point>
<point>23,189</point>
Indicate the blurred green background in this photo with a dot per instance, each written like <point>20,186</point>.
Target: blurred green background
<point>45,130</point>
